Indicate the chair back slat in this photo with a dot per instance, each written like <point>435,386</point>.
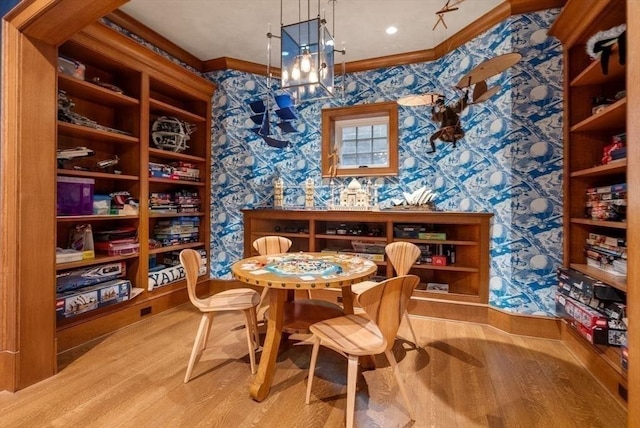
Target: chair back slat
<point>190,260</point>
<point>386,303</point>
<point>272,245</point>
<point>402,256</point>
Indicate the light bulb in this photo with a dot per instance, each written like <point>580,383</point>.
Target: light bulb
<point>305,63</point>
<point>285,76</point>
<point>295,72</point>
<point>313,76</point>
<point>312,89</point>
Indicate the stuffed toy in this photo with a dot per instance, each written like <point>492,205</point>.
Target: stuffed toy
<point>600,45</point>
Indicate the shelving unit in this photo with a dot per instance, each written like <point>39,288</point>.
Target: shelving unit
<point>468,276</point>
<point>153,87</point>
<point>586,134</point>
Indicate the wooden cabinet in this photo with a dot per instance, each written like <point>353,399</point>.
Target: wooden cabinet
<point>466,234</point>
<point>152,87</point>
<point>587,132</point>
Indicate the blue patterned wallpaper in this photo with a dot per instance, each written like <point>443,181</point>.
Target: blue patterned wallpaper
<point>509,163</point>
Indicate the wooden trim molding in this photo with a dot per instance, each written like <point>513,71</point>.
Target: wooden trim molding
<point>54,21</point>
<point>493,17</point>
<point>136,27</point>
<point>27,325</point>
<point>633,223</point>
<point>225,63</point>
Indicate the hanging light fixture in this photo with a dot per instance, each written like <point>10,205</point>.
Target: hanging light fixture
<point>307,55</point>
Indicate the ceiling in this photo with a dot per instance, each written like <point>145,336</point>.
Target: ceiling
<point>210,29</point>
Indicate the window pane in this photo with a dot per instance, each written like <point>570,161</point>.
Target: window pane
<point>349,147</point>
<point>380,159</point>
<point>349,133</point>
<point>364,159</point>
<point>364,146</point>
<point>380,145</point>
<point>364,132</point>
<point>349,160</point>
<point>380,131</point>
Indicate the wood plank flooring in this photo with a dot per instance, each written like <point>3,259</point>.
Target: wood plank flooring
<point>464,375</point>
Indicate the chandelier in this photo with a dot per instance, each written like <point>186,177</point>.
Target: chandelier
<point>307,51</point>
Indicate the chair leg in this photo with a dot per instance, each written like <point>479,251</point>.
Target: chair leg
<point>413,333</point>
<point>198,344</point>
<point>204,342</point>
<point>403,391</point>
<point>312,366</point>
<point>352,374</point>
<point>249,328</point>
<point>264,305</point>
<point>254,324</point>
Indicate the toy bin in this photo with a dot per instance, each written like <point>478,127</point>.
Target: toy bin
<point>75,196</point>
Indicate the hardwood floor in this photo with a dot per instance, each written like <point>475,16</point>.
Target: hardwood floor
<point>464,375</point>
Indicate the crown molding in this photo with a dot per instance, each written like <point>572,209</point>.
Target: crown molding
<point>498,14</point>
<point>136,27</point>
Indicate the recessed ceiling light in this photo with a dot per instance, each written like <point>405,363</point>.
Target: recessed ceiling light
<point>392,30</point>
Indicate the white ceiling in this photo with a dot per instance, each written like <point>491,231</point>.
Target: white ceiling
<point>237,29</point>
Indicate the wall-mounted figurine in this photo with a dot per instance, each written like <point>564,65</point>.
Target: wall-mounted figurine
<point>448,116</point>
<point>449,119</point>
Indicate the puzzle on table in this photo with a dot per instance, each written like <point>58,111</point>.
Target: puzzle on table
<point>300,265</point>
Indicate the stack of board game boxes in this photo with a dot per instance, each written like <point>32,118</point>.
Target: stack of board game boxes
<point>595,310</point>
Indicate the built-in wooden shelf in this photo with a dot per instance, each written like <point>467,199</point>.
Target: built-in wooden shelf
<point>75,87</point>
<point>175,247</point>
<point>600,223</point>
<point>619,282</point>
<point>97,175</point>
<point>593,75</point>
<point>97,260</point>
<point>175,111</point>
<point>612,117</point>
<point>612,168</point>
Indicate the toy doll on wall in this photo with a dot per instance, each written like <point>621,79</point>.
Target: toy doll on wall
<point>449,119</point>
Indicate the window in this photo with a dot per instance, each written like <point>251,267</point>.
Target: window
<point>360,140</point>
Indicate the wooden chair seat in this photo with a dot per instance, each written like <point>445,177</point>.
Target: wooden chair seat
<point>363,286</point>
<point>351,334</point>
<point>237,299</point>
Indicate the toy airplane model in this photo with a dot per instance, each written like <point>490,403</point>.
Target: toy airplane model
<point>69,154</point>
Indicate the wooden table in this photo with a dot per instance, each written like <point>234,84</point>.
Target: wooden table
<point>284,273</point>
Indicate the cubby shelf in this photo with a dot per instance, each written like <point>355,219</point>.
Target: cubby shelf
<point>468,233</point>
<point>84,132</point>
<point>152,86</point>
<point>587,137</point>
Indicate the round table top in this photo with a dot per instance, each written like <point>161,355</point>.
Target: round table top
<point>303,270</point>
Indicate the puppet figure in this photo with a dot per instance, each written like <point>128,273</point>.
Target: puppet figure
<point>449,119</point>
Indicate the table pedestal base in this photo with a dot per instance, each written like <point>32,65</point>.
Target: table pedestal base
<point>300,314</point>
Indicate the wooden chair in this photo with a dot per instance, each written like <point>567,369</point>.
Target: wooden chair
<point>359,335</point>
<point>270,245</point>
<point>238,299</point>
<point>402,256</point>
